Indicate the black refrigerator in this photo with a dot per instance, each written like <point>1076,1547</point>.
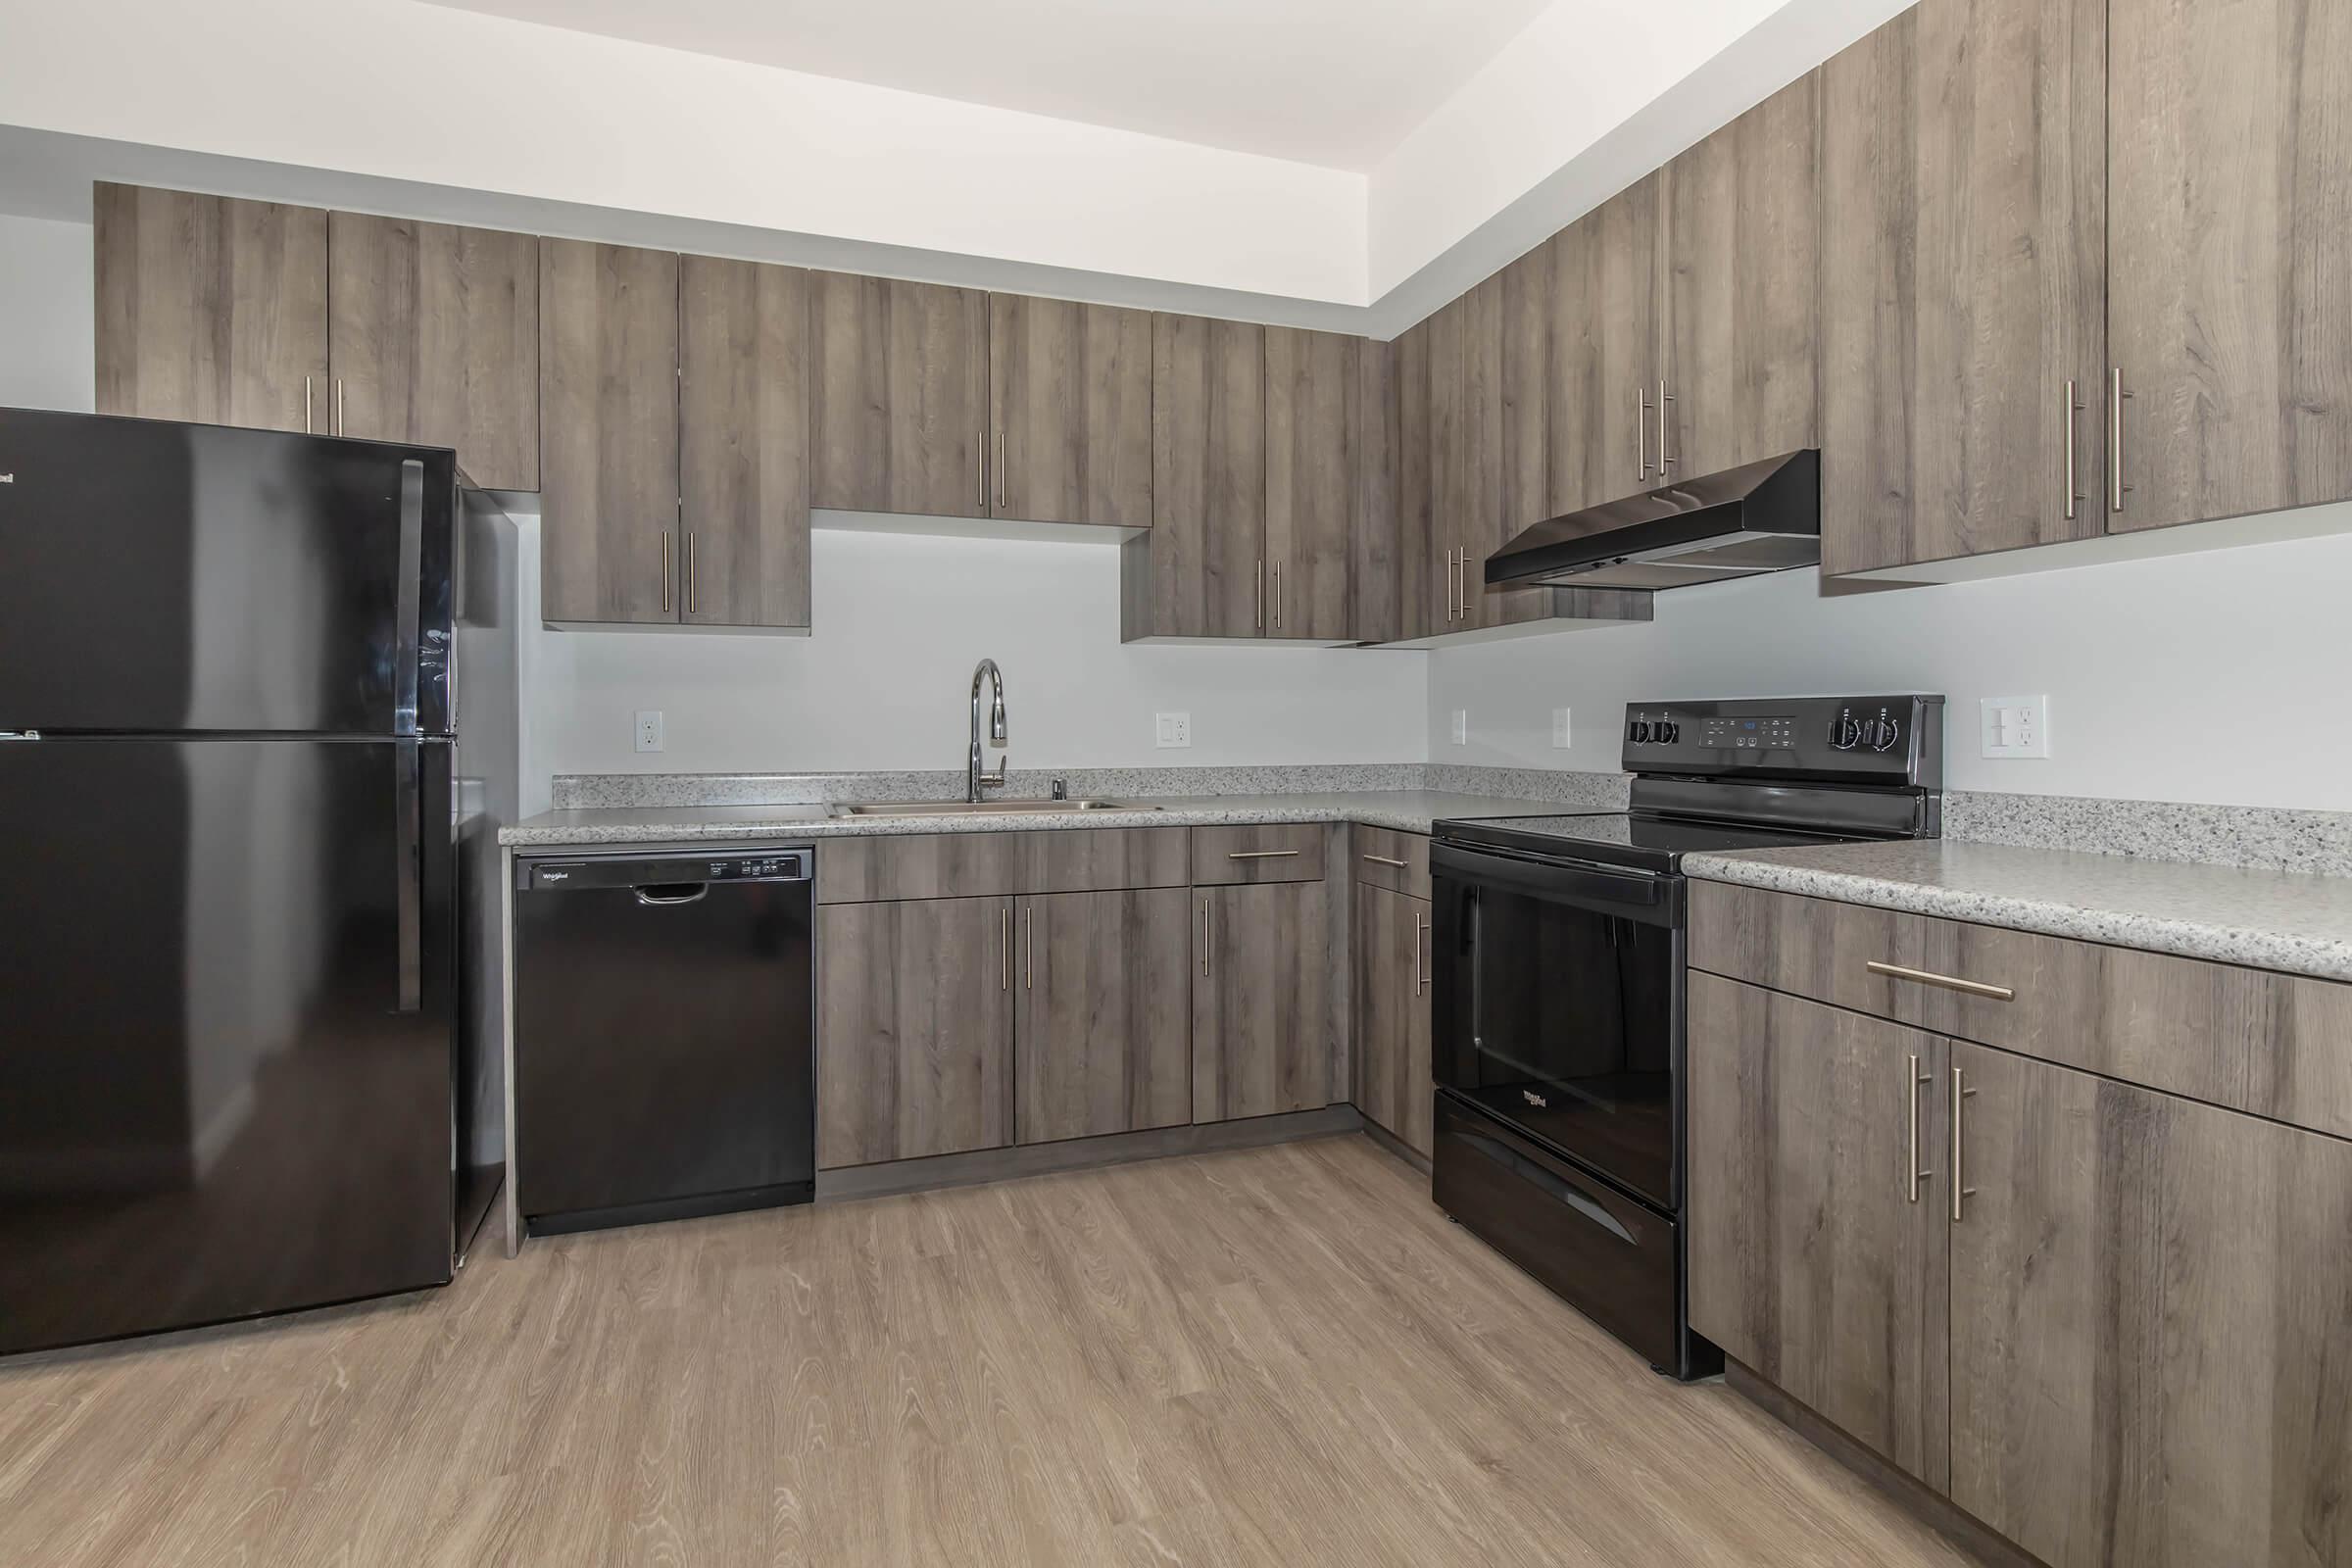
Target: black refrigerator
<point>257,730</point>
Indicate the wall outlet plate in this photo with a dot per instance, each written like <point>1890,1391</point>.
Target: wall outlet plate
<point>1461,726</point>
<point>648,729</point>
<point>1172,729</point>
<point>1560,731</point>
<point>2015,726</point>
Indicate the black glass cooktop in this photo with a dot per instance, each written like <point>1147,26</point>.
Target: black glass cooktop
<point>1618,838</point>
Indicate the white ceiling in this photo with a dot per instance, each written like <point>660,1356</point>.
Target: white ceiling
<point>1333,82</point>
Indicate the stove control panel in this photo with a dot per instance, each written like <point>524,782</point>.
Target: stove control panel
<point>1878,739</point>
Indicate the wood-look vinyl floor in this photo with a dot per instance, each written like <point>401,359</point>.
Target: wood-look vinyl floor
<point>1275,1357</point>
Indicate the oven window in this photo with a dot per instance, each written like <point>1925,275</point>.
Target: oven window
<point>1569,1029</point>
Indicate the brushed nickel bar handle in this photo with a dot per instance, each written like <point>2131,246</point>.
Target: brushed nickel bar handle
<point>1916,1175</point>
<point>1449,587</point>
<point>2114,441</point>
<point>1005,947</point>
<point>2073,406</point>
<point>693,595</point>
<point>1000,484</point>
<point>1261,580</point>
<point>1927,977</point>
<point>1029,948</point>
<point>1260,855</point>
<point>666,569</point>
<point>1274,594</point>
<point>1420,979</point>
<point>1664,397</point>
<point>1201,924</point>
<point>305,407</point>
<point>1641,432</point>
<point>1961,1092</point>
<point>338,404</point>
<point>1384,859</point>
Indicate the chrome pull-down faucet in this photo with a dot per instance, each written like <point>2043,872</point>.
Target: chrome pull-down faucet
<point>975,779</point>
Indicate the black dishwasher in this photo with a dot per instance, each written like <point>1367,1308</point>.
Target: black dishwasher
<point>664,1033</point>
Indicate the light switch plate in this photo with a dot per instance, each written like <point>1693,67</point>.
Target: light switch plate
<point>1461,726</point>
<point>648,729</point>
<point>2016,726</point>
<point>1172,729</point>
<point>1559,729</point>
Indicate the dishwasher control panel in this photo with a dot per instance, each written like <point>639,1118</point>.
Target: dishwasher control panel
<point>668,868</point>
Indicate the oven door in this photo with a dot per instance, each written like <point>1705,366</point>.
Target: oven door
<point>1557,1007</point>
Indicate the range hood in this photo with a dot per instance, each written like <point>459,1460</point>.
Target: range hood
<point>1758,517</point>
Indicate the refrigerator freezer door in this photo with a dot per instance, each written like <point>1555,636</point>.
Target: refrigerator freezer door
<point>215,1106</point>
<point>158,578</point>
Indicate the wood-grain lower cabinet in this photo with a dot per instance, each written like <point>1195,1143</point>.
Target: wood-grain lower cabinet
<point>1817,1256</point>
<point>2151,1304</point>
<point>609,409</point>
<point>1103,1009</point>
<point>914,1029</point>
<point>433,338</point>
<point>743,444</point>
<point>899,413</point>
<point>1393,1089</point>
<point>211,310</point>
<point>1261,995</point>
<point>1069,412</point>
<point>2230,257</point>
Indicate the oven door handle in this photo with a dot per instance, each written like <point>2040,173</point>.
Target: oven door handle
<point>1634,894</point>
<point>1549,1181</point>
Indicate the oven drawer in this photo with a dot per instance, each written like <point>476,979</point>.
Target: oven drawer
<point>1273,852</point>
<point>1613,1260</point>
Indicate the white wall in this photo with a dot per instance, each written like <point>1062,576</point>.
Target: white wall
<point>885,680</point>
<point>47,357</point>
<point>2218,677</point>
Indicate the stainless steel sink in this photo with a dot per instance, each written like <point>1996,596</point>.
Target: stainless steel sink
<point>983,807</point>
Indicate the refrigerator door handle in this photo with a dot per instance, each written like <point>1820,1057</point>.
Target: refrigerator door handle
<point>409,877</point>
<point>410,592</point>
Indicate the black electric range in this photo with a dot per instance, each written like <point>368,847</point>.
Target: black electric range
<point>1557,982</point>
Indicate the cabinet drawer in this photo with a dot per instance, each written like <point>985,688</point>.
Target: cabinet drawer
<point>1387,859</point>
<point>1285,852</point>
<point>958,866</point>
<point>2248,1039</point>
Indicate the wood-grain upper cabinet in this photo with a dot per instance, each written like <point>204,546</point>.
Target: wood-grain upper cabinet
<point>913,1029</point>
<point>2230,255</point>
<point>1314,416</point>
<point>1070,411</point>
<point>1963,278</point>
<point>1425,586</point>
<point>433,338</point>
<point>2148,1320</point>
<point>1104,1003</point>
<point>1200,571</point>
<point>1377,576</point>
<point>609,413</point>
<point>898,416</point>
<point>743,443</point>
<point>1817,1254</point>
<point>1742,264</point>
<point>1465,458</point>
<point>211,310</point>
<point>1595,396</point>
<point>1394,1088</point>
<point>1261,1000</point>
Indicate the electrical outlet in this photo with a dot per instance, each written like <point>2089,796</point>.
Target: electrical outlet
<point>648,729</point>
<point>1172,729</point>
<point>1559,729</point>
<point>1461,726</point>
<point>2016,726</point>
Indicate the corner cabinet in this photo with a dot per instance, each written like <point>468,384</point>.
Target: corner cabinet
<point>1391,1015</point>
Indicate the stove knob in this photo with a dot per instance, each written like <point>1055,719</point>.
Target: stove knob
<point>1844,732</point>
<point>1666,732</point>
<point>1637,731</point>
<point>1884,733</point>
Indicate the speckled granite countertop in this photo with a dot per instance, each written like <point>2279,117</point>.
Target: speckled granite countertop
<point>1407,810</point>
<point>2293,921</point>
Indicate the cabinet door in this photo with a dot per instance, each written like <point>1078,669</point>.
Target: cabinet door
<point>899,419</point>
<point>913,1029</point>
<point>1425,592</point>
<point>1313,416</point>
<point>1466,460</point>
<point>433,333</point>
<point>743,443</point>
<point>1963,270</point>
<point>1378,578</point>
<point>1070,409</point>
<point>609,449</point>
<point>2148,1308</point>
<point>1743,246</point>
<point>1208,477</point>
<point>211,310</point>
<point>1394,1088</point>
<point>2230,255</point>
<point>1261,1000</point>
<point>1105,1014</point>
<point>1817,1257</point>
<point>1601,392</point>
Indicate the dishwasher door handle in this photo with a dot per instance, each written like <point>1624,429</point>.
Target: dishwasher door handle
<point>665,895</point>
